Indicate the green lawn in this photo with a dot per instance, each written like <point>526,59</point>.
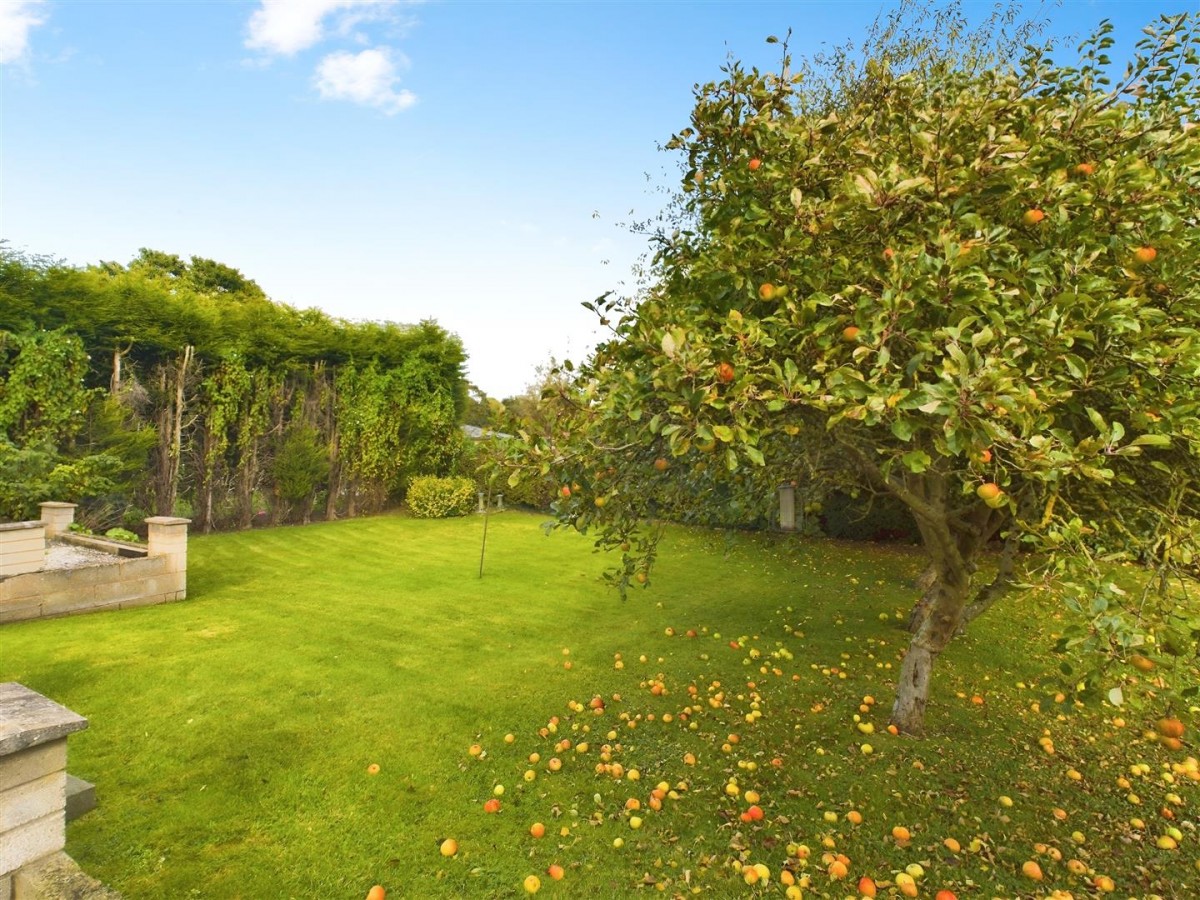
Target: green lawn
<point>231,734</point>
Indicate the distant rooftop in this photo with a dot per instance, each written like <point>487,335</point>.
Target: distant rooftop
<point>475,433</point>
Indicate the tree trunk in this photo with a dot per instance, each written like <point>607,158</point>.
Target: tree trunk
<point>172,397</point>
<point>206,477</point>
<point>928,586</point>
<point>335,475</point>
<point>953,535</point>
<point>114,381</point>
<point>947,600</point>
<point>912,692</point>
<point>247,473</point>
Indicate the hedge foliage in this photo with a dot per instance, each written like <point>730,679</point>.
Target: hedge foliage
<point>430,497</point>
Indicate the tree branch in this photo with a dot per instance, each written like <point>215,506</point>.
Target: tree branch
<point>998,586</point>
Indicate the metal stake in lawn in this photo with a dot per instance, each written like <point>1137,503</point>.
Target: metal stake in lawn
<point>487,505</point>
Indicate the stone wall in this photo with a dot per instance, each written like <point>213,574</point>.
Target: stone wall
<point>33,799</point>
<point>22,547</point>
<point>159,577</point>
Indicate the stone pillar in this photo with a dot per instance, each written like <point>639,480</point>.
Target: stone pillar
<point>22,548</point>
<point>482,506</point>
<point>787,507</point>
<point>33,778</point>
<point>168,537</point>
<point>57,516</point>
<point>500,502</point>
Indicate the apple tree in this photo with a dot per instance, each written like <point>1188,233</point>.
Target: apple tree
<point>968,280</point>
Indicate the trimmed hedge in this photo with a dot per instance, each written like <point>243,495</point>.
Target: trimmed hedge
<point>436,498</point>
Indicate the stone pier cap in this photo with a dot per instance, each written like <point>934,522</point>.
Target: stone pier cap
<point>28,719</point>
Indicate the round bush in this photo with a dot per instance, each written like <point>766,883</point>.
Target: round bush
<point>436,498</point>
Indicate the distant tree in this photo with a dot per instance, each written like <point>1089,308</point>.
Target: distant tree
<point>194,355</point>
<point>481,410</point>
<point>301,469</point>
<point>44,405</point>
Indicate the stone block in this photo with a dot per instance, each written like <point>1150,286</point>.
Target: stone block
<point>58,877</point>
<point>32,763</point>
<point>57,516</point>
<point>146,600</point>
<point>21,564</point>
<point>102,607</point>
<point>117,591</point>
<point>61,603</point>
<point>12,531</point>
<point>23,542</point>
<point>32,800</point>
<point>20,610</point>
<point>21,586</point>
<point>81,797</point>
<point>27,719</point>
<point>32,841</point>
<point>146,566</point>
<point>6,887</point>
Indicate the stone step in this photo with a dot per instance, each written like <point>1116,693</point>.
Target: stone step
<point>81,797</point>
<point>57,876</point>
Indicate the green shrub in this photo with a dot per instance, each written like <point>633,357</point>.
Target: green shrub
<point>435,498</point>
<point>534,491</point>
<point>122,534</point>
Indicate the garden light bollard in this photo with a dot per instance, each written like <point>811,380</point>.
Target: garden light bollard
<point>787,508</point>
<point>33,778</point>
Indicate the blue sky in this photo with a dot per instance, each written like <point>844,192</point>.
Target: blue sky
<point>471,162</point>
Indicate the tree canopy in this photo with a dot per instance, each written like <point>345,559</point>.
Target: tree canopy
<point>189,385</point>
<point>948,270</point>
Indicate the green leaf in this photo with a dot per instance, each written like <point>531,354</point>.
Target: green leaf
<point>723,433</point>
<point>790,372</point>
<point>983,337</point>
<point>903,429</point>
<point>1116,696</point>
<point>916,460</point>
<point>903,187</point>
<point>1151,440</point>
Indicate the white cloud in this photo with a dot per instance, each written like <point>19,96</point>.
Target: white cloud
<point>17,19</point>
<point>368,77</point>
<point>289,26</point>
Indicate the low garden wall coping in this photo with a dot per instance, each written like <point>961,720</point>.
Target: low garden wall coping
<point>167,520</point>
<point>28,719</point>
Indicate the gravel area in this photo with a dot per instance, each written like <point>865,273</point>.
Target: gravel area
<point>71,556</point>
